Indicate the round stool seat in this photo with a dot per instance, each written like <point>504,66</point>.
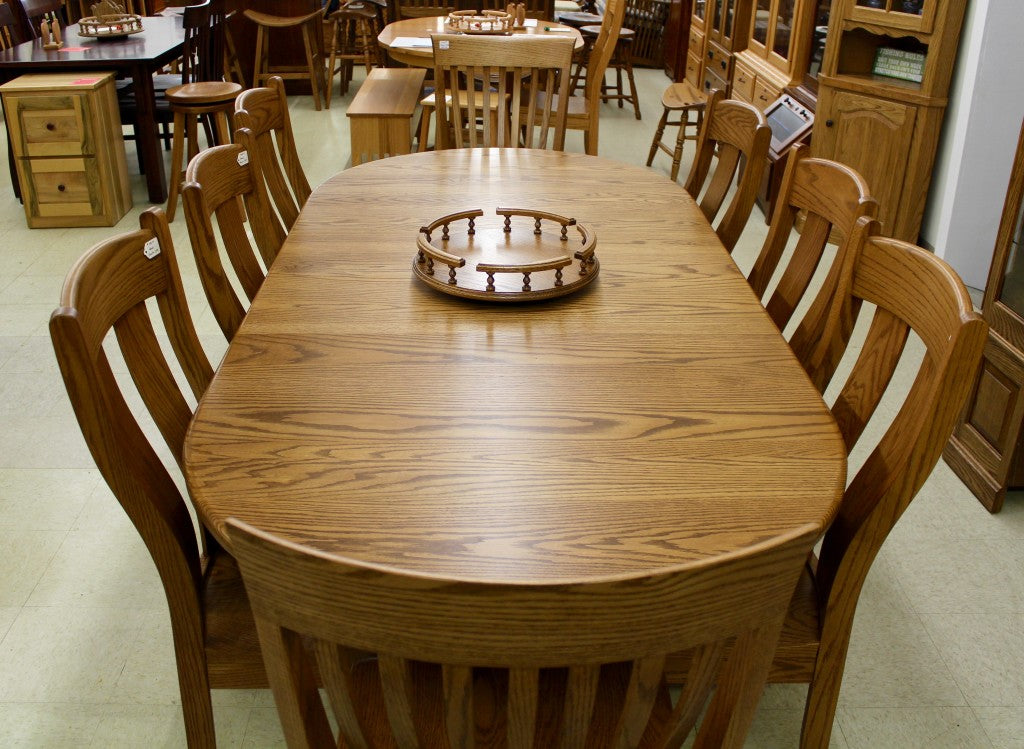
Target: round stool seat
<point>625,35</point>
<point>203,92</point>
<point>356,10</point>
<point>279,22</point>
<point>577,19</point>
<point>683,95</point>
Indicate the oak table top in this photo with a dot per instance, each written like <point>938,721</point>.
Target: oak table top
<point>654,418</point>
<point>422,28</point>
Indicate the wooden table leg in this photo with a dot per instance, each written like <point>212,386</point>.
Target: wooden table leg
<point>147,140</point>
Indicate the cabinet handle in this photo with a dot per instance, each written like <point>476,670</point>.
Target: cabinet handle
<point>829,123</point>
<point>723,64</point>
<point>50,126</point>
<point>711,55</point>
<point>61,188</point>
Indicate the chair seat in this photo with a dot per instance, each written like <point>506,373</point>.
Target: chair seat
<point>683,95</point>
<point>232,645</point>
<point>578,19</point>
<point>279,22</point>
<point>203,92</point>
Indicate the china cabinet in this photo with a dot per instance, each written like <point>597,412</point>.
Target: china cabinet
<point>985,449</point>
<point>717,28</point>
<point>882,98</point>
<point>777,50</point>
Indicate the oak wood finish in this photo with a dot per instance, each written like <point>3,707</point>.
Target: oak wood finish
<point>425,27</point>
<point>428,633</point>
<point>686,99</point>
<point>380,115</point>
<point>731,129</point>
<point>264,113</point>
<point>914,291</point>
<point>984,450</point>
<point>653,419</point>
<point>777,50</point>
<point>215,643</point>
<point>224,183</point>
<point>829,198</point>
<point>64,132</point>
<point>531,78</point>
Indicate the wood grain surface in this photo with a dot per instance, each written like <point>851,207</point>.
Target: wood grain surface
<point>655,418</point>
<point>423,57</point>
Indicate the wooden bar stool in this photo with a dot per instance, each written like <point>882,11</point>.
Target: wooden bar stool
<point>352,31</point>
<point>313,70</point>
<point>685,98</point>
<point>621,62</point>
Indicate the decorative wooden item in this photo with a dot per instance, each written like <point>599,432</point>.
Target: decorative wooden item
<point>985,449</point>
<point>109,21</point>
<point>49,32</point>
<point>480,22</point>
<point>506,270</point>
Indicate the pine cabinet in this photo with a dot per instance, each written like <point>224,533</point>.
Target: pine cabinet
<point>882,98</point>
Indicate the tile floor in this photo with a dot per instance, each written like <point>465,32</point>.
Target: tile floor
<point>937,657</point>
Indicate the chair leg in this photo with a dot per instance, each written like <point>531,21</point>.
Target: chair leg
<point>332,60</point>
<point>658,136</point>
<point>677,154</point>
<point>634,98</point>
<point>315,75</point>
<point>177,166</point>
<point>590,137</point>
<point>259,71</point>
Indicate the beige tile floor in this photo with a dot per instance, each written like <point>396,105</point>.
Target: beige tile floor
<point>937,658</point>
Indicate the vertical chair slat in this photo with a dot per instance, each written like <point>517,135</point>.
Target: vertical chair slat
<point>336,663</point>
<point>523,693</point>
<point>797,275</point>
<point>644,680</point>
<point>581,692</point>
<point>458,705</point>
<point>700,679</point>
<point>396,683</point>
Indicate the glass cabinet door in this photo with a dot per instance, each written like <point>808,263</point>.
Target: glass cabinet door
<point>783,28</point>
<point>698,9</point>
<point>762,15</point>
<point>914,15</point>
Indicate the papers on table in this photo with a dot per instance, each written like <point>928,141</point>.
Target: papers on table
<point>529,23</point>
<point>411,42</point>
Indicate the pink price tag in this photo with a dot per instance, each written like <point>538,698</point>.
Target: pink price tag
<point>73,49</point>
<point>85,81</point>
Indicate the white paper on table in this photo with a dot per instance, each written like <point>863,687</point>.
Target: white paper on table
<point>410,42</point>
<point>529,23</point>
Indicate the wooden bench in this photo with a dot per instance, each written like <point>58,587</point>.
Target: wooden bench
<point>381,113</point>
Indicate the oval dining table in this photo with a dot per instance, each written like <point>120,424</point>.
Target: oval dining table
<point>422,28</point>
<point>654,418</point>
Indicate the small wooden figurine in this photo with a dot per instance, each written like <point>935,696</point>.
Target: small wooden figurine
<point>49,32</point>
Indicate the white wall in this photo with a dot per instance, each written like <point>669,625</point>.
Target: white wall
<point>975,154</point>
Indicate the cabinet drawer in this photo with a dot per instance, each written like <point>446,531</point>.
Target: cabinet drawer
<point>61,188</point>
<point>743,84</point>
<point>696,43</point>
<point>52,126</point>
<point>764,95</point>
<point>714,81</point>
<point>693,70</point>
<point>719,59</point>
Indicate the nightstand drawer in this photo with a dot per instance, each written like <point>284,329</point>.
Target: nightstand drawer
<point>61,187</point>
<point>52,126</point>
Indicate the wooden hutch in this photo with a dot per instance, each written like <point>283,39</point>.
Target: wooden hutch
<point>885,127</point>
<point>777,50</point>
<point>717,29</point>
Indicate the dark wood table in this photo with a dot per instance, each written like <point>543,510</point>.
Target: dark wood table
<point>655,418</point>
<point>138,56</point>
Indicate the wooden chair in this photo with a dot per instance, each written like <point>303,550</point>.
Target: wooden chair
<point>913,291</point>
<point>218,182</point>
<point>350,35</point>
<point>422,8</point>
<point>9,35</point>
<point>202,94</point>
<point>264,113</point>
<point>583,110</point>
<point>731,129</point>
<point>215,641</point>
<point>829,197</point>
<point>621,63</point>
<point>686,99</point>
<point>422,661</point>
<point>312,71</point>
<point>525,83</point>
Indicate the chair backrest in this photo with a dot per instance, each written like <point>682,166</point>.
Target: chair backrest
<point>264,112</point>
<point>647,19</point>
<point>9,35</point>
<point>422,8</point>
<point>731,129</point>
<point>524,90</point>
<point>912,290</point>
<point>601,53</point>
<point>218,181</point>
<point>830,197</point>
<point>36,9</point>
<point>106,291</point>
<point>197,61</point>
<point>440,644</point>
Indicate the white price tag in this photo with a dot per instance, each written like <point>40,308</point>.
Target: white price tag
<point>243,158</point>
<point>443,44</point>
<point>151,249</point>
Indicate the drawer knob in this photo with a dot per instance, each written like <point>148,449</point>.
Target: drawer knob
<point>50,126</point>
<point>829,123</point>
<point>723,64</point>
<point>61,188</point>
<point>711,55</point>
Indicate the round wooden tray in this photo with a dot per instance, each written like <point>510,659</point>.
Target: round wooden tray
<point>497,264</point>
<point>473,22</point>
<point>110,26</point>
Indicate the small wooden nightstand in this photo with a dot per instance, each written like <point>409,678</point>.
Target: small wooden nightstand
<point>65,133</point>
